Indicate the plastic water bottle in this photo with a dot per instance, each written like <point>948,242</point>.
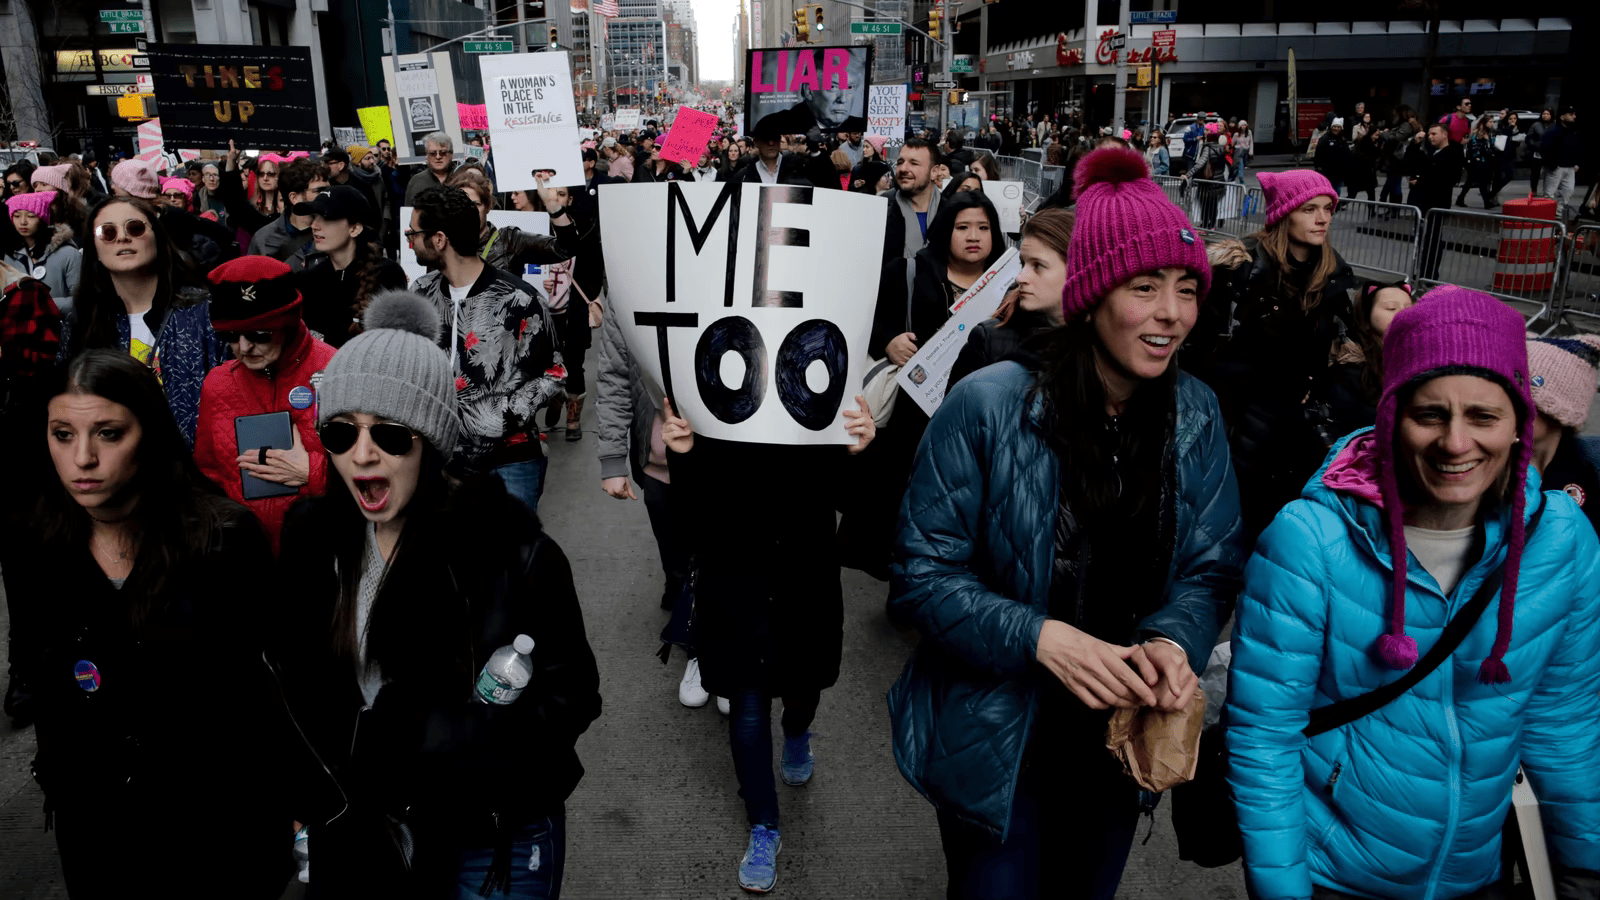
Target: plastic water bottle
<point>506,673</point>
<point>302,857</point>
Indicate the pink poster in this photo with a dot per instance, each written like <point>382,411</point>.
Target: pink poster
<point>474,116</point>
<point>686,142</point>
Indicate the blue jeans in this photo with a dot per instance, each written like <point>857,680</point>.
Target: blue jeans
<point>525,480</point>
<point>750,739</point>
<point>1069,838</point>
<point>538,855</point>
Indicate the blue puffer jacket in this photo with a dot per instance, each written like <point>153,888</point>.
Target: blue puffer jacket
<point>1409,801</point>
<point>972,571</point>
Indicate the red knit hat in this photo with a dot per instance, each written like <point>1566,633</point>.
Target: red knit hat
<point>253,293</point>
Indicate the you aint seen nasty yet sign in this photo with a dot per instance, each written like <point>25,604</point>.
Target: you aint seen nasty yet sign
<point>257,96</point>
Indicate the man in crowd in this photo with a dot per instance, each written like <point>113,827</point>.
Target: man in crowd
<point>959,156</point>
<point>288,237</point>
<point>1435,169</point>
<point>501,340</point>
<point>771,165</point>
<point>440,150</point>
<point>1458,123</point>
<point>913,201</point>
<point>1562,151</point>
<point>851,145</point>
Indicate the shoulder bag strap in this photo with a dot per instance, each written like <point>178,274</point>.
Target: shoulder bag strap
<point>1342,713</point>
<point>911,277</point>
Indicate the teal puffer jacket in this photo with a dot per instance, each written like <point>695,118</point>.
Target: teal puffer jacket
<point>1409,801</point>
<point>972,572</point>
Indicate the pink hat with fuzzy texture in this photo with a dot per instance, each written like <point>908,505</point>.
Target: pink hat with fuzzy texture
<point>1452,328</point>
<point>137,177</point>
<point>55,176</point>
<point>1125,226</point>
<point>1563,374</point>
<point>176,183</point>
<point>37,203</point>
<point>1287,191</point>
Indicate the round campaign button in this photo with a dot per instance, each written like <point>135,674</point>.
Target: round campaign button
<point>88,675</point>
<point>301,397</point>
<point>39,272</point>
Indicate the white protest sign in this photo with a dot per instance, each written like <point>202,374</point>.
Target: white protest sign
<point>886,112</point>
<point>535,222</point>
<point>750,305</point>
<point>528,98</point>
<point>1008,198</point>
<point>926,375</point>
<point>627,118</point>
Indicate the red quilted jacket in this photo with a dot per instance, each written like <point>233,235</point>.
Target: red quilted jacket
<point>231,390</point>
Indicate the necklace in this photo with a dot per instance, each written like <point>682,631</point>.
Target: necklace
<point>121,557</point>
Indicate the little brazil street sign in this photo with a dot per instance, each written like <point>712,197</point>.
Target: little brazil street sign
<point>122,15</point>
<point>1155,17</point>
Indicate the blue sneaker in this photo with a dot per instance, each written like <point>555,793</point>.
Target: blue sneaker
<point>758,871</point>
<point>798,763</point>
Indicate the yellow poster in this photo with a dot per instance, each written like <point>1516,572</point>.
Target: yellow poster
<point>375,122</point>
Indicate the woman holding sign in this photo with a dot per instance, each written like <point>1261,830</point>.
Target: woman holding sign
<point>1069,544</point>
<point>769,611</point>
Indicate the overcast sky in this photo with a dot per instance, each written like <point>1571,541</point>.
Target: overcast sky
<point>715,19</point>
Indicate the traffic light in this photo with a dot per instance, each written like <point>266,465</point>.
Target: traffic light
<point>555,36</point>
<point>935,17</point>
<point>802,25</point>
<point>819,18</point>
<point>958,97</point>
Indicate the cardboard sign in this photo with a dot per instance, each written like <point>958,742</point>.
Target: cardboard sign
<point>627,118</point>
<point>532,118</point>
<point>474,116</point>
<point>806,87</point>
<point>886,113</point>
<point>686,142</point>
<point>344,137</point>
<point>1008,198</point>
<point>608,121</point>
<point>422,100</point>
<point>926,375</point>
<point>375,123</point>
<point>749,305</point>
<point>257,96</point>
<point>535,222</point>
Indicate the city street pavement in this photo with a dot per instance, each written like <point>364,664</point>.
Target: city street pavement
<point>658,815</point>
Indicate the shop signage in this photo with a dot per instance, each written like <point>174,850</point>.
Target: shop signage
<point>112,90</point>
<point>1022,59</point>
<point>81,62</point>
<point>1105,53</point>
<point>1066,55</point>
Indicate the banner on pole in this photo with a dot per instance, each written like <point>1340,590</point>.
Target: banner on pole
<point>926,376</point>
<point>532,119</point>
<point>807,87</point>
<point>744,303</point>
<point>686,142</point>
<point>257,96</point>
<point>886,113</point>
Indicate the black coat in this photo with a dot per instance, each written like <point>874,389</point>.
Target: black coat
<point>328,295</point>
<point>180,733</point>
<point>426,752</point>
<point>1436,172</point>
<point>768,608</point>
<point>990,342</point>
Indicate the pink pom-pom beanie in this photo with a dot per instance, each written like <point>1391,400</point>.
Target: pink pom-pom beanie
<point>1288,191</point>
<point>1125,226</point>
<point>1453,330</point>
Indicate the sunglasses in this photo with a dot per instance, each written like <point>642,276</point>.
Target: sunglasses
<point>17,185</point>
<point>134,228</point>
<point>391,437</point>
<point>175,195</point>
<point>438,154</point>
<point>254,337</point>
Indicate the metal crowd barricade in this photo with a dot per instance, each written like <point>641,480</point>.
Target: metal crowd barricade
<point>1173,186</point>
<point>1490,252</point>
<point>1579,293</point>
<point>1223,207</point>
<point>1379,237</point>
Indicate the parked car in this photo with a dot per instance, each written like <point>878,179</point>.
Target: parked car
<point>1174,132</point>
<point>15,153</point>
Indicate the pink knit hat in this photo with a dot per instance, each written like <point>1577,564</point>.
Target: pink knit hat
<point>55,176</point>
<point>1564,372</point>
<point>1287,191</point>
<point>37,203</point>
<point>137,177</point>
<point>178,184</point>
<point>1452,328</point>
<point>1125,226</point>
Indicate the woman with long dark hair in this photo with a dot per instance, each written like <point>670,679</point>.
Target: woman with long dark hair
<point>351,271</point>
<point>136,293</point>
<point>1265,333</point>
<point>115,580</point>
<point>1069,544</point>
<point>428,771</point>
<point>864,177</point>
<point>1345,398</point>
<point>1033,306</point>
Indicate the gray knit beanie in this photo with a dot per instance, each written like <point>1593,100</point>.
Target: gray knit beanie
<point>396,370</point>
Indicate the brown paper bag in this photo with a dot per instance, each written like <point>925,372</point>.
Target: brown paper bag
<point>1158,749</point>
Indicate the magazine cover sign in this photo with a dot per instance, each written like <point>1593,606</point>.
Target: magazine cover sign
<point>806,87</point>
<point>213,93</point>
<point>742,302</point>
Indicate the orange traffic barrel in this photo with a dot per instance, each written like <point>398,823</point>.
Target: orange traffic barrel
<point>1526,258</point>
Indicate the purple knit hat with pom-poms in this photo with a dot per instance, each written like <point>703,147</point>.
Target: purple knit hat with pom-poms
<point>1125,226</point>
<point>1453,329</point>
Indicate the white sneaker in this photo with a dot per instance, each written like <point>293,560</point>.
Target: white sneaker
<point>690,693</point>
<point>722,705</point>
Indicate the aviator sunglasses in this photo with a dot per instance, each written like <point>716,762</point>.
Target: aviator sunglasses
<point>391,437</point>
